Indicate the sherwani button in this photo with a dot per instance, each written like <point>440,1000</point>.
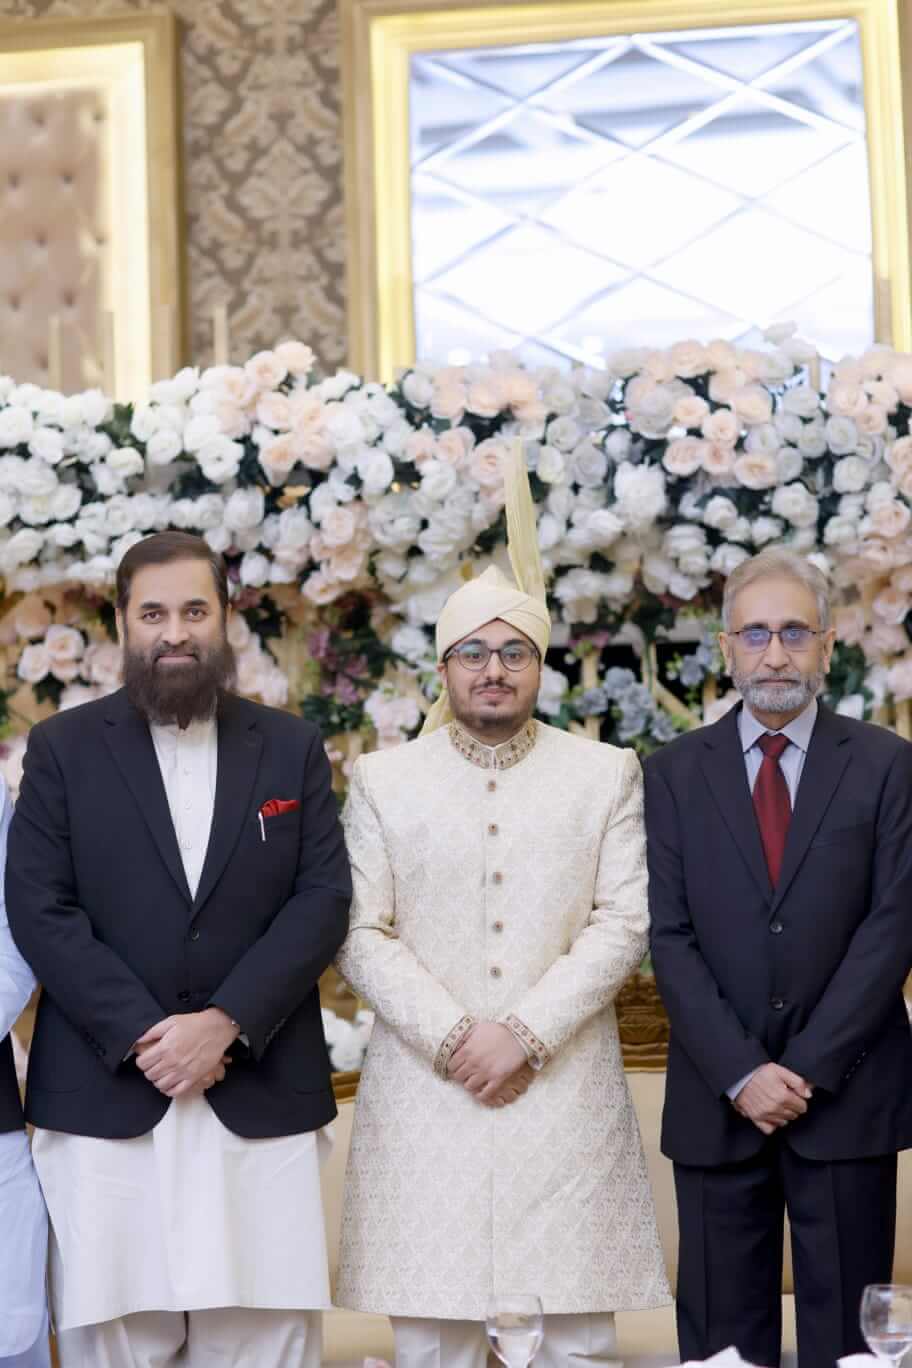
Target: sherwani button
<point>497,877</point>
<point>497,926</point>
<point>495,972</point>
<point>776,928</point>
<point>194,934</point>
<point>493,829</point>
<point>183,996</point>
<point>492,785</point>
<point>777,1004</point>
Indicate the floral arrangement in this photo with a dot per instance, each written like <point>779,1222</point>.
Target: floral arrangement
<point>348,511</point>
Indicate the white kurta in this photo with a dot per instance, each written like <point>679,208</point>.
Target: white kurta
<point>190,1216</point>
<point>496,886</point>
<point>23,1220</point>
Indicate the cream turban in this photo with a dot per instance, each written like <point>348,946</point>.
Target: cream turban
<point>493,596</point>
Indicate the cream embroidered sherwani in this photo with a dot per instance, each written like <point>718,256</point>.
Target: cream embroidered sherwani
<point>505,885</point>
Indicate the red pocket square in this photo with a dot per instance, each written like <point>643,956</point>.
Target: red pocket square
<point>276,806</point>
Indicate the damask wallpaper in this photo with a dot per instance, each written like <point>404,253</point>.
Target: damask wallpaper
<point>262,166</point>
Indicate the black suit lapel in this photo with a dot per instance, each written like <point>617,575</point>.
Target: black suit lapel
<point>726,776</point>
<point>824,764</point>
<point>239,747</point>
<point>127,734</point>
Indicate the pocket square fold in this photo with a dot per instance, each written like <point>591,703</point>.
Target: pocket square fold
<point>275,806</point>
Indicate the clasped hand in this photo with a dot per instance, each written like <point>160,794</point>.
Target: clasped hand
<point>184,1055</point>
<point>491,1065</point>
<point>773,1097</point>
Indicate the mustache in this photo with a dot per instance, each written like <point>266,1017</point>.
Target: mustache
<point>161,651</point>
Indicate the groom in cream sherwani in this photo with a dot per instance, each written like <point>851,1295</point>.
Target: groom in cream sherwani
<point>499,905</point>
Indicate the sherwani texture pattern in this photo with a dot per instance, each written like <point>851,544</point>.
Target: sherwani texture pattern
<point>494,884</point>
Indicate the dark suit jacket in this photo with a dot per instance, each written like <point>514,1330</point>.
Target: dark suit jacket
<point>10,1106</point>
<point>809,975</point>
<point>99,905</point>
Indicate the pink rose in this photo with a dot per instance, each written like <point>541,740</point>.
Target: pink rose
<point>891,606</point>
<point>518,389</point>
<point>890,518</point>
<point>718,460</point>
<point>454,446</point>
<point>321,590</point>
<point>274,411</point>
<point>757,470</point>
<point>872,419</point>
<point>722,427</point>
<point>297,358</point>
<point>279,457</point>
<point>690,410</point>
<point>485,467</point>
<point>684,456</point>
<point>753,404</point>
<point>846,398</point>
<point>420,446</point>
<point>448,402</point>
<point>688,358</point>
<point>266,370</point>
<point>721,355</point>
<point>724,384</point>
<point>338,527</point>
<point>899,374</point>
<point>485,398</point>
<point>850,622</point>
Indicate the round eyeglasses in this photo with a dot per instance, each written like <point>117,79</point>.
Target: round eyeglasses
<point>793,637</point>
<point>474,655</point>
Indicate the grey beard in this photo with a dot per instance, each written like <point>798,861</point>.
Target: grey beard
<point>761,697</point>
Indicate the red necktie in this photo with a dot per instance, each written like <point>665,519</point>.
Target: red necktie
<point>771,803</point>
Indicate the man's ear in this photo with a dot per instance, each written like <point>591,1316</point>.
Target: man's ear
<point>121,630</point>
<point>725,648</point>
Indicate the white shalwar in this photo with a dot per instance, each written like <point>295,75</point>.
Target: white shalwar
<point>23,1219</point>
<point>189,1217</point>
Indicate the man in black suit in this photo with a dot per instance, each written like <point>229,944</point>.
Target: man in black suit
<point>178,881</point>
<point>780,866</point>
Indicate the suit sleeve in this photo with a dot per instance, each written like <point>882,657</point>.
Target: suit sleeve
<point>88,981</point>
<point>17,981</point>
<point>281,969</point>
<point>703,1022</point>
<point>609,948</point>
<point>866,986</point>
<point>374,961</point>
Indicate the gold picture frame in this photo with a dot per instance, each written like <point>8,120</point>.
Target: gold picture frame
<point>379,38</point>
<point>131,61</point>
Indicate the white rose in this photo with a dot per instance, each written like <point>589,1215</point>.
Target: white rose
<point>93,408</point>
<point>219,459</point>
<point>119,515</point>
<point>795,504</point>
<point>764,529</point>
<point>438,479</point>
<point>789,464</point>
<point>551,466</point>
<point>417,389</point>
<point>34,663</point>
<point>37,479</point>
<point>23,546</point>
<point>617,444</point>
<point>763,439</point>
<point>653,415</point>
<point>376,470</point>
<point>850,475</point>
<point>640,494</point>
<point>551,531</point>
<point>812,442</point>
<point>563,433</point>
<point>63,644</point>
<point>603,528</point>
<point>552,688</point>
<point>125,462</point>
<point>684,456</point>
<point>789,426</point>
<point>683,539</point>
<point>254,569</point>
<point>200,431</point>
<point>683,587</point>
<point>16,426</point>
<point>727,558</point>
<point>588,465</point>
<point>344,427</point>
<point>47,445</point>
<point>245,509</point>
<point>412,644</point>
<point>840,531</point>
<point>720,513</point>
<point>163,447</point>
<point>841,435</point>
<point>802,400</point>
<point>65,502</point>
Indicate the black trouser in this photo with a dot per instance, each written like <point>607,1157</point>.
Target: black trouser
<point>842,1217</point>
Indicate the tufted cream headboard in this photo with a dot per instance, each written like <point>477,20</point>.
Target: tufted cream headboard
<point>55,233</point>
<point>90,252</point>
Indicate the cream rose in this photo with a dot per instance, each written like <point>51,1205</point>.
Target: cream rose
<point>34,663</point>
<point>718,460</point>
<point>297,358</point>
<point>266,370</point>
<point>890,518</point>
<point>690,410</point>
<point>721,426</point>
<point>752,404</point>
<point>757,470</point>
<point>891,605</point>
<point>684,456</point>
<point>485,464</point>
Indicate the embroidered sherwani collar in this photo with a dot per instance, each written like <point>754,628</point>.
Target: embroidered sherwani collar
<point>505,755</point>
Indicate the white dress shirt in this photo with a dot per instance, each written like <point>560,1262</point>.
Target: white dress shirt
<point>791,762</point>
<point>190,1216</point>
<point>23,1220</point>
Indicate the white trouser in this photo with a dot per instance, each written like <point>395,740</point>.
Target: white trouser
<point>230,1337</point>
<point>39,1356</point>
<point>581,1339</point>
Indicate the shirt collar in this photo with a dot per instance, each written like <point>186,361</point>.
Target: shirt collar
<point>507,754</point>
<point>198,733</point>
<point>798,730</point>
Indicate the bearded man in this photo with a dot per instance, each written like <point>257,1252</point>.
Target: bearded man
<point>178,881</point>
<point>499,905</point>
<point>780,888</point>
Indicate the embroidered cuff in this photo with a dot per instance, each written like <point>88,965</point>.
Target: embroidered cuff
<point>451,1044</point>
<point>537,1053</point>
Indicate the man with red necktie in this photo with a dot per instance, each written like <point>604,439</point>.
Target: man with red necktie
<point>780,868</point>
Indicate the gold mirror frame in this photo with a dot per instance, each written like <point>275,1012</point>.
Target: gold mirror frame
<point>132,61</point>
<point>379,38</point>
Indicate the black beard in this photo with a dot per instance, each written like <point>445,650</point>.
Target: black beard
<point>181,694</point>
